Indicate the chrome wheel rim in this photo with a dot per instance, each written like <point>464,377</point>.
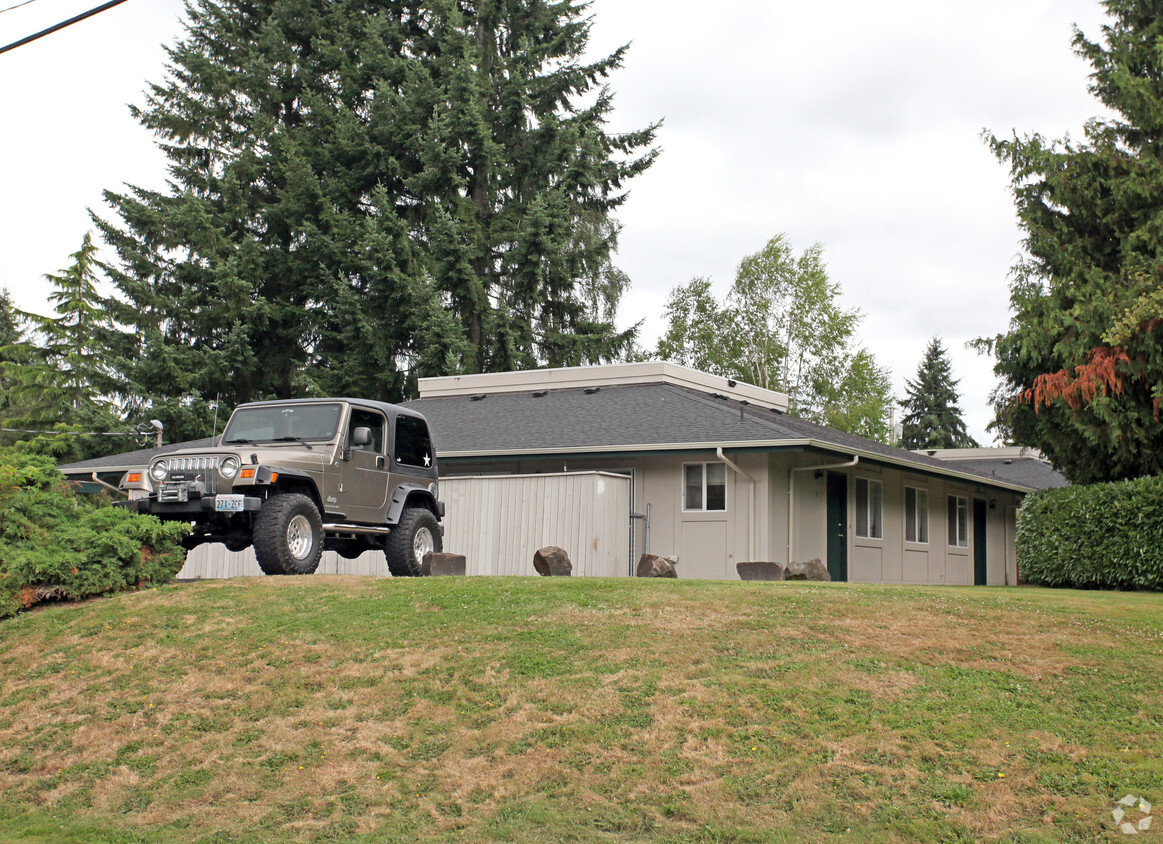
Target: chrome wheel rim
<point>423,543</point>
<point>299,539</point>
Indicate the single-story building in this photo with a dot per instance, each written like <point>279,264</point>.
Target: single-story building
<point>719,474</point>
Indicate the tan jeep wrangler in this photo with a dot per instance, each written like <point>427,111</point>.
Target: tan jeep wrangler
<point>295,478</point>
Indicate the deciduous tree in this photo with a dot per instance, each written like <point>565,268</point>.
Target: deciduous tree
<point>781,327</point>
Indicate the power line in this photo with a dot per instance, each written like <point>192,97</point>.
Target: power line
<point>78,433</point>
<point>17,6</point>
<point>61,25</point>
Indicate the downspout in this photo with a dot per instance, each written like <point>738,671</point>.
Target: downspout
<point>750,502</point>
<point>791,495</point>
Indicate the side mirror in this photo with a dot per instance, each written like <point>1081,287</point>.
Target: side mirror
<point>361,437</point>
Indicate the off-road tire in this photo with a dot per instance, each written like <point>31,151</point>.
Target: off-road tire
<point>288,535</point>
<point>417,532</point>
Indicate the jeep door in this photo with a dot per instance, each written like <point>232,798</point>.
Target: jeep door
<point>363,483</point>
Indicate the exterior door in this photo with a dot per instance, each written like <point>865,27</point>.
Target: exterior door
<point>838,526</point>
<point>979,569</point>
<point>361,483</point>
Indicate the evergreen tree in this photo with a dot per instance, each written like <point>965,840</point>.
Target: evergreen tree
<point>12,354</point>
<point>364,192</point>
<point>11,328</point>
<point>781,328</point>
<point>58,378</point>
<point>1082,362</point>
<point>932,417</point>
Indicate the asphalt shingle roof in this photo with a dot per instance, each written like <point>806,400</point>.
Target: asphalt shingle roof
<point>131,459</point>
<point>632,416</point>
<point>1027,471</point>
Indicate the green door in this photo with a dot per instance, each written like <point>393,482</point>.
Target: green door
<point>838,526</point>
<point>979,575</point>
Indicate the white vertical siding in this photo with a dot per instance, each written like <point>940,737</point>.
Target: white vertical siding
<point>497,522</point>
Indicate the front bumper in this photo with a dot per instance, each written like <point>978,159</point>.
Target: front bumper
<point>190,509</point>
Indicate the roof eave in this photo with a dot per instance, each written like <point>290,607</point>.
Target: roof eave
<point>742,444</point>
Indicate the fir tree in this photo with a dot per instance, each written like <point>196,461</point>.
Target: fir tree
<point>58,378</point>
<point>1082,362</point>
<point>12,354</point>
<point>363,192</point>
<point>932,417</point>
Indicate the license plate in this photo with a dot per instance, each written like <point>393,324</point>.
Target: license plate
<point>229,503</point>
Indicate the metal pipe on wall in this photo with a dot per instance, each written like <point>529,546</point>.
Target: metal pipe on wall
<point>751,502</point>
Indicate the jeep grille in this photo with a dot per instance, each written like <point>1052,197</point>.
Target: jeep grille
<point>194,464</point>
<point>204,469</point>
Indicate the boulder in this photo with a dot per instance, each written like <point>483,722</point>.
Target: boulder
<point>811,570</point>
<point>442,565</point>
<point>552,561</point>
<point>651,565</point>
<point>759,571</point>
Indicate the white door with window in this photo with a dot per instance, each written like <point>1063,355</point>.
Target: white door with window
<point>702,551</point>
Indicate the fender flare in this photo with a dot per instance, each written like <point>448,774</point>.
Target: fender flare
<point>413,494</point>
<point>297,477</point>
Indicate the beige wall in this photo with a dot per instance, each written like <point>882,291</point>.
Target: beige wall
<point>890,559</point>
<point>708,545</point>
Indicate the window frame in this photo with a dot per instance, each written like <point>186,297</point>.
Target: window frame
<point>404,420</point>
<point>365,414</point>
<point>958,505</point>
<point>868,521</point>
<point>920,519</point>
<point>705,486</point>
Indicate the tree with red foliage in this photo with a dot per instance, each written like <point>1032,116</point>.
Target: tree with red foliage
<point>1082,362</point>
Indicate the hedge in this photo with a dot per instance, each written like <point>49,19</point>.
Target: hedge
<point>1098,536</point>
<point>56,545</point>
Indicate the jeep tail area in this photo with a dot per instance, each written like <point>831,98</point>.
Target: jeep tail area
<point>295,478</point>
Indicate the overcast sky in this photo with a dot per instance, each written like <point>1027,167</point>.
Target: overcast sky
<point>853,124</point>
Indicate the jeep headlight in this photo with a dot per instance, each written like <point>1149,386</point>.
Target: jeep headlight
<point>432,488</point>
<point>159,470</point>
<point>228,468</point>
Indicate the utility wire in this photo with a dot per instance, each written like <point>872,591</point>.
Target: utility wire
<point>17,6</point>
<point>61,25</point>
<point>76,433</point>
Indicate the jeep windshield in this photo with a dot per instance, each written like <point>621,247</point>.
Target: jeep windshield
<point>282,423</point>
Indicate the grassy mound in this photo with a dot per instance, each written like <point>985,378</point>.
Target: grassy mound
<point>320,708</point>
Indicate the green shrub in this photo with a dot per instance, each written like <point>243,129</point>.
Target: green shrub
<point>1098,536</point>
<point>56,544</point>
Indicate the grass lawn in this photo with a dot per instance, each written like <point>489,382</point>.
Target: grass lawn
<point>547,710</point>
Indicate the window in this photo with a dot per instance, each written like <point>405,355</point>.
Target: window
<point>916,515</point>
<point>958,521</point>
<point>704,486</point>
<point>413,445</point>
<point>869,503</point>
<point>372,421</point>
<point>280,423</point>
